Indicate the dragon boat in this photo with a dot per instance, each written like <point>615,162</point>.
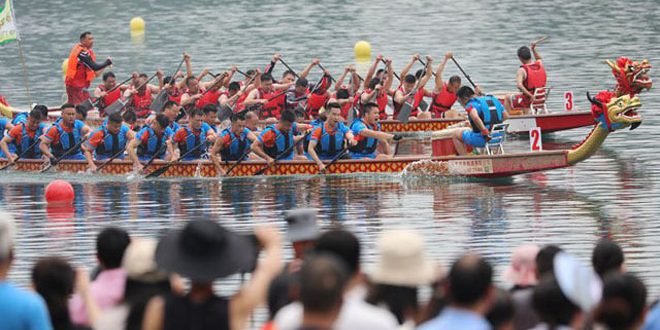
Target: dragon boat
<point>617,113</point>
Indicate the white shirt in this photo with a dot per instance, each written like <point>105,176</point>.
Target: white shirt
<point>355,314</point>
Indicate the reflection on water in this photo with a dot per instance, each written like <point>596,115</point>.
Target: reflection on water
<point>613,194</point>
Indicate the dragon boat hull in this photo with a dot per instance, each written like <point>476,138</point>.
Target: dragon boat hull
<point>483,166</point>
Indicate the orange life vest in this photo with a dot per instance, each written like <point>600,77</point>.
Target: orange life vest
<point>77,74</point>
<point>442,101</point>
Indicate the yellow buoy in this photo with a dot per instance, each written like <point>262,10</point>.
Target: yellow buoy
<point>137,24</point>
<point>362,49</point>
<point>65,66</point>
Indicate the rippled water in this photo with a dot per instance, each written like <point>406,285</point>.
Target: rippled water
<point>614,194</point>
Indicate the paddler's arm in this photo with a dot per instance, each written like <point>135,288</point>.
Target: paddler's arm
<point>312,153</point>
<point>216,158</point>
<point>159,75</point>
<point>99,93</point>
<point>428,74</point>
<point>5,148</point>
<point>390,75</point>
<point>252,98</point>
<point>441,69</point>
<point>309,67</point>
<point>89,157</point>
<point>189,70</point>
<point>398,97</point>
<point>341,78</point>
<point>202,74</point>
<point>350,138</point>
<point>520,79</point>
<point>372,71</point>
<point>537,56</point>
<point>132,153</point>
<point>477,121</point>
<point>44,146</point>
<point>280,87</point>
<point>85,130</point>
<point>269,68</point>
<point>408,66</point>
<point>355,81</point>
<point>95,66</point>
<point>7,111</point>
<point>170,150</point>
<point>257,148</point>
<point>381,136</point>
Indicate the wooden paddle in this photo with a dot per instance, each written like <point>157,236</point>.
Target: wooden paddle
<point>164,169</point>
<point>151,160</point>
<point>119,105</point>
<point>227,110</point>
<point>282,154</point>
<point>119,153</point>
<point>21,155</point>
<point>159,103</point>
<point>394,72</point>
<point>322,68</point>
<point>463,71</point>
<point>88,105</point>
<point>68,152</point>
<point>240,160</point>
<point>406,108</point>
<point>289,68</point>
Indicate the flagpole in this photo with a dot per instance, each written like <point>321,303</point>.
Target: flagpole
<point>25,71</point>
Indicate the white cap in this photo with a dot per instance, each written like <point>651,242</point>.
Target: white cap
<point>7,230</point>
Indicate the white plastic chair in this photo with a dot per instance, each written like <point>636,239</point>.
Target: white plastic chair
<point>497,138</point>
<point>538,101</point>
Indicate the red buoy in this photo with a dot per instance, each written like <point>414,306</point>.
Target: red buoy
<point>59,191</point>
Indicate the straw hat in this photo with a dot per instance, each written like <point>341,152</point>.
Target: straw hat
<point>139,261</point>
<point>401,260</point>
<point>203,251</point>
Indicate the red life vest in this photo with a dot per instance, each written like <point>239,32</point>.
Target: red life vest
<point>315,102</point>
<point>209,98</point>
<point>419,95</point>
<point>381,100</point>
<point>4,101</point>
<point>110,98</point>
<point>345,108</point>
<point>175,95</point>
<point>535,76</point>
<point>78,74</point>
<point>141,103</point>
<point>271,108</point>
<point>442,101</point>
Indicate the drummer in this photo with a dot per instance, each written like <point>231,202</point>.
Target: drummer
<point>483,112</point>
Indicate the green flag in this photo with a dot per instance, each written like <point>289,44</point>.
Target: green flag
<point>8,32</point>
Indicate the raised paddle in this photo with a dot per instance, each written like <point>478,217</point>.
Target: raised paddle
<point>159,102</point>
<point>282,154</point>
<point>289,68</point>
<point>21,155</point>
<point>88,105</point>
<point>240,160</point>
<point>424,64</point>
<point>119,153</point>
<point>66,153</point>
<point>164,169</point>
<point>227,110</point>
<point>322,68</point>
<point>406,108</point>
<point>394,72</point>
<point>119,105</point>
<point>463,71</point>
<point>242,73</point>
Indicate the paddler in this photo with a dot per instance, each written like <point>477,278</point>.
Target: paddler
<point>196,89</point>
<point>252,121</point>
<point>372,142</point>
<point>376,89</point>
<point>82,68</point>
<point>328,140</point>
<point>232,143</point>
<point>108,98</point>
<point>22,117</point>
<point>266,96</point>
<point>21,137</point>
<point>443,95</point>
<point>191,136</point>
<point>210,117</point>
<point>141,94</point>
<point>277,139</point>
<point>483,112</point>
<point>412,88</point>
<point>107,141</point>
<point>153,140</point>
<point>64,135</point>
<point>529,77</point>
<point>318,96</point>
<point>213,91</point>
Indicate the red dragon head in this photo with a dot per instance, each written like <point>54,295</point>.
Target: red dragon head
<point>631,77</point>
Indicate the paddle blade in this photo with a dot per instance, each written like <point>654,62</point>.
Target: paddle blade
<point>351,115</point>
<point>87,105</point>
<point>115,107</point>
<point>159,103</point>
<point>157,172</point>
<point>224,113</point>
<point>423,106</point>
<point>261,171</point>
<point>404,114</point>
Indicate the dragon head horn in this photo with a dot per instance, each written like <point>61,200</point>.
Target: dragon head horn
<point>594,101</point>
<point>612,64</point>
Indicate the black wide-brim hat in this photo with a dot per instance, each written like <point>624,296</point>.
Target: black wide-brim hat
<point>204,251</point>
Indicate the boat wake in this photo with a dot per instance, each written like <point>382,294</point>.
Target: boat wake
<point>426,167</point>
